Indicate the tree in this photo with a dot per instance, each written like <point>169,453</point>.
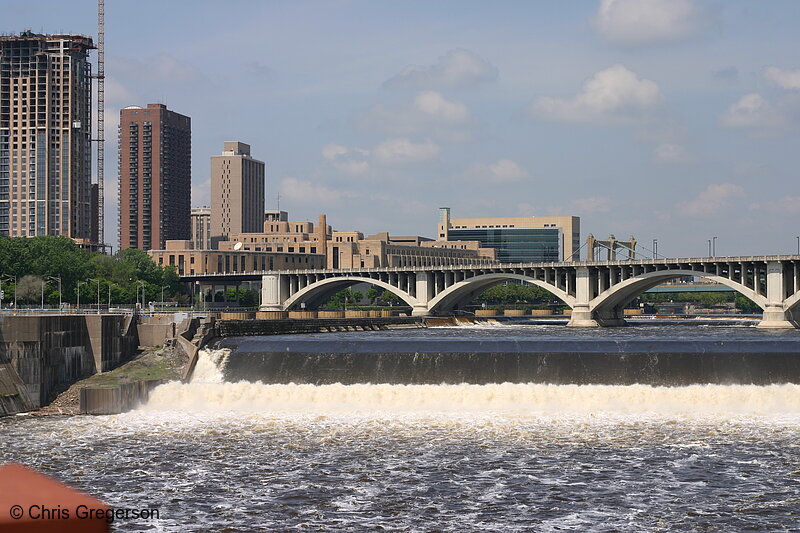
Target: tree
<point>29,288</point>
<point>512,293</point>
<point>746,305</point>
<point>342,299</point>
<point>390,298</point>
<point>372,295</point>
<point>60,257</point>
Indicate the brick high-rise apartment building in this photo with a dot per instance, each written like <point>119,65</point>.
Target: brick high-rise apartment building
<point>45,136</point>
<point>155,177</point>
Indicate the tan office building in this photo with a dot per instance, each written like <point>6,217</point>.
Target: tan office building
<point>188,261</point>
<point>201,228</point>
<point>517,239</point>
<point>237,192</point>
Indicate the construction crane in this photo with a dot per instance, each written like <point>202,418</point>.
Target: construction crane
<point>101,104</point>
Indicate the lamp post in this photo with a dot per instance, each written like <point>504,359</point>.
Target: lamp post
<point>79,294</point>
<point>109,296</point>
<point>57,278</point>
<point>798,245</point>
<point>162,295</point>
<point>10,277</point>
<point>137,293</point>
<point>98,293</point>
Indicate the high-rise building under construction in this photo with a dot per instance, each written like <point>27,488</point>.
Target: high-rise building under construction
<point>45,136</point>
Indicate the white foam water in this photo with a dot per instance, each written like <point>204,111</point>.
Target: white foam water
<point>209,393</point>
<point>210,366</point>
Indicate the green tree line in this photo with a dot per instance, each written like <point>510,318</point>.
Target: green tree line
<point>27,262</point>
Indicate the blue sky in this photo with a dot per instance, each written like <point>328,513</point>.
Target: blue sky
<point>670,119</point>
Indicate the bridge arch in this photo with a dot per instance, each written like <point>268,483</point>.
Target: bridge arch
<point>448,298</point>
<point>331,285</point>
<point>622,293</point>
<point>790,304</point>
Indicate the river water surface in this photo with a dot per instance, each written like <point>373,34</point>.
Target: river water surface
<point>215,456</point>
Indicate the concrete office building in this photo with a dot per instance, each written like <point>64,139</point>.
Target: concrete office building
<point>45,136</point>
<point>237,192</point>
<point>201,228</point>
<point>517,239</point>
<point>155,176</point>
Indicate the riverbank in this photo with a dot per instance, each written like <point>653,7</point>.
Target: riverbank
<point>153,364</point>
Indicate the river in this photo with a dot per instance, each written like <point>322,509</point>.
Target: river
<point>247,456</point>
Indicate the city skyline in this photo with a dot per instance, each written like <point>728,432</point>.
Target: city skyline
<point>680,127</point>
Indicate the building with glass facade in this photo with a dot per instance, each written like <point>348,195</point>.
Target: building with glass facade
<point>517,239</point>
<point>516,245</point>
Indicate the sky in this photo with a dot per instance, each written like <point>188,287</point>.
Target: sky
<point>676,120</point>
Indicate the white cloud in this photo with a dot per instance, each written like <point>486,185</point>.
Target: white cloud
<point>789,205</point>
<point>404,151</point>
<point>392,152</point>
<point>526,210</point>
<point>434,105</point>
<point>201,192</point>
<point>710,201</point>
<point>755,112</point>
<point>671,153</point>
<point>162,68</point>
<point>457,68</point>
<point>785,79</point>
<point>595,204</point>
<point>332,150</point>
<point>352,167</point>
<point>503,171</point>
<point>429,115</point>
<point>306,193</point>
<point>612,95</point>
<point>350,161</point>
<point>637,22</point>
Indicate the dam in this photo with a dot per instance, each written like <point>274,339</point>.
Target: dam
<point>657,355</point>
<point>248,442</point>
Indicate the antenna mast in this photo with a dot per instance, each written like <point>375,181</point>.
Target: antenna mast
<point>101,104</point>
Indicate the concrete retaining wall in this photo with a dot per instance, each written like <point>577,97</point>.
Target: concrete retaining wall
<point>118,399</point>
<point>45,354</point>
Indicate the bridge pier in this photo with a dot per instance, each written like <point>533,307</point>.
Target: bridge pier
<point>582,318</point>
<point>274,291</point>
<point>775,317</point>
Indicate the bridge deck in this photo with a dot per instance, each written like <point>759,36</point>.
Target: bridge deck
<point>255,275</point>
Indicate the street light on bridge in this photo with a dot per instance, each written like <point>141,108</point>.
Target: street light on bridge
<point>79,294</point>
<point>8,277</point>
<point>57,278</point>
<point>98,293</point>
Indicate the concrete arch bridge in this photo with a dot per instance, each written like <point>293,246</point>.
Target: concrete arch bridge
<point>596,291</point>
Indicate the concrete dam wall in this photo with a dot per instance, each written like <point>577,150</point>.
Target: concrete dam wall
<point>41,355</point>
<point>501,361</point>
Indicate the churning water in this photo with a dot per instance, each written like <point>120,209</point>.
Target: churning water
<point>245,456</point>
